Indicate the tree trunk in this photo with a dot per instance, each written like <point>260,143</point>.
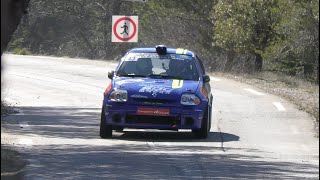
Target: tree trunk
<point>11,13</point>
<point>92,51</point>
<point>317,70</point>
<point>258,62</point>
<point>229,62</point>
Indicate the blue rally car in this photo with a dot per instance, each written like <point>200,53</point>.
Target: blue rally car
<point>158,88</point>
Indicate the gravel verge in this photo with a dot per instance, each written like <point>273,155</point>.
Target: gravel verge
<point>11,162</point>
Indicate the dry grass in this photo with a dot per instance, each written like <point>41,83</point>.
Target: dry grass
<point>298,91</point>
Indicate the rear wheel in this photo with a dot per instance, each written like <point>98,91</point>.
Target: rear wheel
<point>105,130</point>
<point>203,132</point>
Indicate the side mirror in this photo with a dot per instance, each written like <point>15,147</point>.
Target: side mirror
<point>206,78</point>
<point>110,74</point>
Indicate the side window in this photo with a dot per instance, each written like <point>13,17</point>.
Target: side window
<point>201,65</point>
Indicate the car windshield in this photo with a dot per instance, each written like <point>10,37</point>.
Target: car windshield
<point>152,65</point>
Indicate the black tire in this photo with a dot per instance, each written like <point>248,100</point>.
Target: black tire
<point>203,132</point>
<point>118,129</point>
<point>210,115</point>
<point>105,130</point>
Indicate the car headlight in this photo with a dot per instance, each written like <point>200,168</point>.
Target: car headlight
<point>118,95</point>
<point>189,99</point>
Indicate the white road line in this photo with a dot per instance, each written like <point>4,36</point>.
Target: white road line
<point>279,106</point>
<point>215,79</point>
<point>254,91</point>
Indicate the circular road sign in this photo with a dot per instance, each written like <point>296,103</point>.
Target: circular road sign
<point>124,29</point>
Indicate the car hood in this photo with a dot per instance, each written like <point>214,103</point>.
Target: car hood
<point>155,88</point>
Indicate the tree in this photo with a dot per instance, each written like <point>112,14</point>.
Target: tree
<point>295,51</point>
<point>244,26</point>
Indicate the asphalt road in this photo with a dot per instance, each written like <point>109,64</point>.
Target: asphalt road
<point>254,135</point>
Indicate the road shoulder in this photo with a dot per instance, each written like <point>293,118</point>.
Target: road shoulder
<point>300,93</point>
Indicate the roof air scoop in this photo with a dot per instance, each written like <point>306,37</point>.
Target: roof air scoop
<point>161,49</point>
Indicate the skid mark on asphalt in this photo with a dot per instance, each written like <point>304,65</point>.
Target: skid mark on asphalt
<point>254,91</point>
<point>220,132</point>
<point>221,137</point>
<point>279,106</point>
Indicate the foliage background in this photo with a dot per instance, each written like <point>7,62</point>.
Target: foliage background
<point>241,36</point>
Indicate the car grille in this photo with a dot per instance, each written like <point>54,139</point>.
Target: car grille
<point>153,120</point>
<point>153,101</point>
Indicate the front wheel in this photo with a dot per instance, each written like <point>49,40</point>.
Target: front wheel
<point>203,132</point>
<point>105,130</point>
<point>118,129</point>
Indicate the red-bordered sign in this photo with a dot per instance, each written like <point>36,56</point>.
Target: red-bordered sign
<point>124,28</point>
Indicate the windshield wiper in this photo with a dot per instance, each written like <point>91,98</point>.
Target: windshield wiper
<point>164,76</point>
<point>131,75</point>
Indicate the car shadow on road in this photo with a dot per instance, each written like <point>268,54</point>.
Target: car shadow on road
<point>83,123</point>
<point>174,136</point>
<point>72,149</point>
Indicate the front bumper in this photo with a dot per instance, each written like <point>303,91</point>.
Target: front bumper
<point>184,117</point>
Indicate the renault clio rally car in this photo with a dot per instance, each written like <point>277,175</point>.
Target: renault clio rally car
<point>158,88</point>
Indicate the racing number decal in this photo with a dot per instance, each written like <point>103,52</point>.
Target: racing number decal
<point>177,84</point>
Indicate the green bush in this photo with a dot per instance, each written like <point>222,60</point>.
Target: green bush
<point>21,51</point>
